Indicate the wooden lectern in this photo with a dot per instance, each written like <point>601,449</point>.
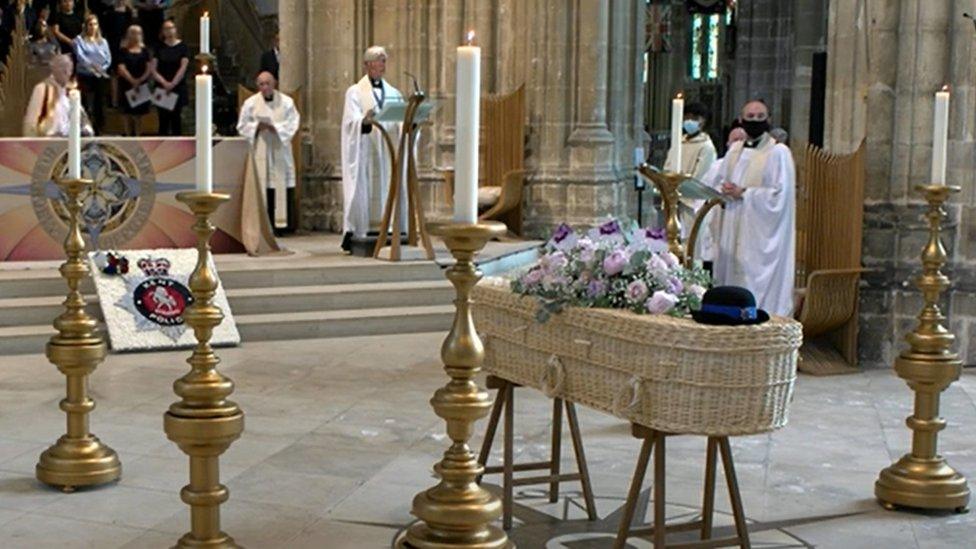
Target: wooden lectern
<point>411,114</point>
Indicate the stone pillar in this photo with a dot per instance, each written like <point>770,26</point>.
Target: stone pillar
<point>293,48</point>
<point>591,140</point>
<point>884,95</point>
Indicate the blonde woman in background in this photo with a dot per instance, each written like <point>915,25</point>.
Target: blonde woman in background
<point>93,58</point>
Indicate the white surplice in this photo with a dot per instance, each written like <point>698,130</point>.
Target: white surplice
<point>757,235</point>
<point>271,152</point>
<point>697,156</point>
<point>366,163</point>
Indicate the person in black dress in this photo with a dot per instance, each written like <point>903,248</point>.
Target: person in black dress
<point>115,21</point>
<point>135,68</point>
<point>66,23</point>
<point>172,60</point>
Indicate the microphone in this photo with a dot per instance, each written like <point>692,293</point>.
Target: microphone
<point>416,86</point>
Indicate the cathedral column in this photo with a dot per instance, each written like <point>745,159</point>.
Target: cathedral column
<point>591,140</point>
<point>293,46</point>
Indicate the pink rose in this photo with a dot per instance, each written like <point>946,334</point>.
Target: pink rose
<point>616,262</point>
<point>660,303</point>
<point>637,291</point>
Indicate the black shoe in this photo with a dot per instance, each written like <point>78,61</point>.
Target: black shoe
<point>347,242</point>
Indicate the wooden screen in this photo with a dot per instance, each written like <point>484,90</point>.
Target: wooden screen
<point>830,210</point>
<point>830,217</point>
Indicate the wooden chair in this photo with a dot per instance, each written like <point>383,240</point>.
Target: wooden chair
<point>243,93</point>
<point>502,159</point>
<point>830,198</point>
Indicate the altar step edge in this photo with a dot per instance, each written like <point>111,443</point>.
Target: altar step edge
<point>29,339</point>
<point>48,282</point>
<point>21,311</point>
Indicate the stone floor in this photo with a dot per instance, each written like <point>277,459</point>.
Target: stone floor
<point>339,437</point>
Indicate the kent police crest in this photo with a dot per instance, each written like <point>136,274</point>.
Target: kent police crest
<point>157,300</point>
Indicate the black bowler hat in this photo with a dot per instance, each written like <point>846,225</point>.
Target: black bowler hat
<point>729,306</point>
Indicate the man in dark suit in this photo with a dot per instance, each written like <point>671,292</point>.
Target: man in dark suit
<point>269,59</point>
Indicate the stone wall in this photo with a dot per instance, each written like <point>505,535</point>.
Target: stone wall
<point>886,60</point>
<point>580,61</point>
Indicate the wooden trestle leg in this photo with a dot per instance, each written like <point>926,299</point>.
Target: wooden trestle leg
<point>505,403</point>
<point>715,446</point>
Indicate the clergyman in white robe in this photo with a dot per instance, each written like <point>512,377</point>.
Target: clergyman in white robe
<point>271,153</point>
<point>757,233</point>
<point>366,162</point>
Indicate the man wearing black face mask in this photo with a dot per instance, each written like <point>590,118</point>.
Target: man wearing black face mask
<point>756,232</point>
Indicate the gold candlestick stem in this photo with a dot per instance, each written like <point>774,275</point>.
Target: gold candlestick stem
<point>667,184</point>
<point>458,512</point>
<point>78,458</point>
<point>922,478</point>
<point>204,423</point>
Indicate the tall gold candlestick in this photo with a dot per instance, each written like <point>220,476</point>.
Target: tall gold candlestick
<point>923,479</point>
<point>204,423</point>
<point>78,458</point>
<point>458,512</point>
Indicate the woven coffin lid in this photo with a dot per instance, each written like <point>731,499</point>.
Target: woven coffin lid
<point>780,334</point>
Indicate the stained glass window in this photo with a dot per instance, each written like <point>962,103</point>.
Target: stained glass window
<point>703,58</point>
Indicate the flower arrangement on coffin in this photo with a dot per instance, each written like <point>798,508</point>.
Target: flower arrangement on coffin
<point>610,267</point>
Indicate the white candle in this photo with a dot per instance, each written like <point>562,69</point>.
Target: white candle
<point>466,127</point>
<point>74,134</point>
<point>204,140</point>
<point>677,118</point>
<point>940,136</point>
<point>205,33</point>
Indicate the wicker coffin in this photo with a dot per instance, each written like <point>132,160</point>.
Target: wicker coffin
<point>666,373</point>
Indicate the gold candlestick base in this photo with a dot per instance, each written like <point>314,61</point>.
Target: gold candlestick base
<point>923,479</point>
<point>78,458</point>
<point>458,512</point>
<point>204,423</point>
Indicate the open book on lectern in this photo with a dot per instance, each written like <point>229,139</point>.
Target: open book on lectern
<point>396,110</point>
<point>692,189</point>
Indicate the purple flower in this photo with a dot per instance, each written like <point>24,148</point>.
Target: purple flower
<point>660,303</point>
<point>655,234</point>
<point>696,290</point>
<point>563,237</point>
<point>616,262</point>
<point>674,285</point>
<point>637,290</point>
<point>609,228</point>
<point>596,288</point>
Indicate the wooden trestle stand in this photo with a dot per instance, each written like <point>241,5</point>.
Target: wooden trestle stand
<point>392,213</point>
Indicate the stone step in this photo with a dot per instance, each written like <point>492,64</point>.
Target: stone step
<point>48,282</point>
<point>16,340</point>
<point>23,311</point>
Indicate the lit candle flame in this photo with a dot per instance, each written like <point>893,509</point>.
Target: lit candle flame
<point>680,95</point>
<point>204,69</point>
<point>945,88</point>
<point>469,38</point>
<point>206,14</point>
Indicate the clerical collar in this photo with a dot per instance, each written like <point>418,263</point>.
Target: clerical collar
<point>376,82</point>
<point>753,143</point>
<point>268,99</point>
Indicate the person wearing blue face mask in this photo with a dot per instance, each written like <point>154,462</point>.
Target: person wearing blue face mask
<point>697,156</point>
